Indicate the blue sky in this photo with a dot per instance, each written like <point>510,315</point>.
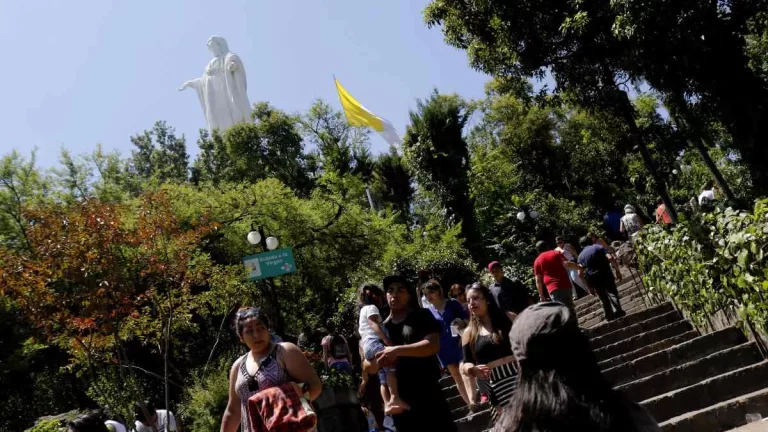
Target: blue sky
<point>81,73</point>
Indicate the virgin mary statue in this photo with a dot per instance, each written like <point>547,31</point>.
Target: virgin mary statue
<point>222,88</point>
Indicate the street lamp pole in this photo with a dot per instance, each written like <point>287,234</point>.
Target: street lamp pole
<point>271,289</point>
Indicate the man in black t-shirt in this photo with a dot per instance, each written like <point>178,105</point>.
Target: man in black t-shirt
<point>415,336</point>
<point>510,296</point>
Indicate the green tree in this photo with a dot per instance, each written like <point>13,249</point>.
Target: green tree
<point>572,40</point>
<point>341,148</point>
<point>160,154</point>
<point>21,185</point>
<point>703,49</point>
<point>436,152</point>
<point>392,183</point>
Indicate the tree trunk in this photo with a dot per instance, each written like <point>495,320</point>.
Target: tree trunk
<point>740,100</point>
<point>624,110</point>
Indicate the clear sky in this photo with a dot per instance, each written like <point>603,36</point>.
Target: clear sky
<point>80,73</point>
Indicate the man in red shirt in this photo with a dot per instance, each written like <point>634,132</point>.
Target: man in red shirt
<point>551,272</point>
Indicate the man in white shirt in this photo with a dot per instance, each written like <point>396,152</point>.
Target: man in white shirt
<point>149,419</point>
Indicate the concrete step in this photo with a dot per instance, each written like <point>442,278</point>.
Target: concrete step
<point>476,422</point>
<point>709,392</point>
<point>641,340</point>
<point>635,308</point>
<point>591,303</point>
<point>679,354</point>
<point>633,318</point>
<point>598,316</point>
<point>451,391</point>
<point>636,329</point>
<point>758,426</point>
<point>455,402</point>
<point>691,373</point>
<point>721,416</point>
<point>648,349</point>
<point>622,285</point>
<point>447,381</point>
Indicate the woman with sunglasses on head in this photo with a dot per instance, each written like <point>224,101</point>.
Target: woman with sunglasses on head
<point>459,293</point>
<point>267,364</point>
<point>487,353</point>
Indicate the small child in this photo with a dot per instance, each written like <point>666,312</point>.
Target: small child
<point>373,340</point>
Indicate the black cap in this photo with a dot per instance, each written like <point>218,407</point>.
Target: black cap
<point>389,280</point>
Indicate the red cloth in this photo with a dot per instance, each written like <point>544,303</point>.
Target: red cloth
<point>551,265</point>
<point>663,214</point>
<point>279,409</point>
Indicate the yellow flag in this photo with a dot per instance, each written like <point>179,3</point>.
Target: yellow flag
<point>358,115</point>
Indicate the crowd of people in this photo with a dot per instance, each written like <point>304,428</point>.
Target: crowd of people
<point>526,361</point>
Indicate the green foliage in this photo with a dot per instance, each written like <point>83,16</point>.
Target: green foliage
<point>715,264</point>
<point>436,152</point>
<point>205,400</point>
<point>392,183</point>
<point>160,154</point>
<point>48,426</point>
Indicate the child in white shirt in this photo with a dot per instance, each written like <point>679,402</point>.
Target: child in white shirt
<point>373,340</point>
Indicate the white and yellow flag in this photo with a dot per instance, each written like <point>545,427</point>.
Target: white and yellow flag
<point>358,115</point>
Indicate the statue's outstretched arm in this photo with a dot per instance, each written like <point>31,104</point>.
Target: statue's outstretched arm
<point>190,83</point>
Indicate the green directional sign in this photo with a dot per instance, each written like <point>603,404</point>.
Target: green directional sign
<point>270,264</point>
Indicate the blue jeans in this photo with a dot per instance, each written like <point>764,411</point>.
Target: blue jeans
<point>371,348</point>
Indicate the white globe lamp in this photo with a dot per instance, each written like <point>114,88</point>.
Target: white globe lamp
<point>534,214</point>
<point>521,216</point>
<point>254,237</point>
<point>272,243</point>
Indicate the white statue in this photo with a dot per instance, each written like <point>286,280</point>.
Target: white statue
<point>222,88</point>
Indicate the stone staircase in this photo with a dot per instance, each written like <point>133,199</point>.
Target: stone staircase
<point>689,382</point>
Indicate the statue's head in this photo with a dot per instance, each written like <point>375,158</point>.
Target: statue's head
<point>217,45</point>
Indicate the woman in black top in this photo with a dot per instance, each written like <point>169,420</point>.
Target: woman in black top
<point>487,353</point>
<point>415,335</point>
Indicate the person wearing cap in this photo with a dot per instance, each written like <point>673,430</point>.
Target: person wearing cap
<point>630,223</point>
<point>560,385</point>
<point>415,337</point>
<point>511,296</point>
<point>551,272</point>
<point>596,262</point>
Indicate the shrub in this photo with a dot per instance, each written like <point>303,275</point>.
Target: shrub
<point>206,399</point>
<point>713,263</point>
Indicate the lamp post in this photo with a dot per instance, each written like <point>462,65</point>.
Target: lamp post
<point>257,237</point>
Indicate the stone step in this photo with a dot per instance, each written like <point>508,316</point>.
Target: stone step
<point>446,382</point>
<point>633,318</point>
<point>758,426</point>
<point>476,422</point>
<point>690,373</point>
<point>451,391</point>
<point>709,392</point>
<point>679,354</point>
<point>597,316</point>
<point>623,284</point>
<point>721,416</point>
<point>591,303</point>
<point>641,340</point>
<point>648,349</point>
<point>639,306</point>
<point>636,329</point>
<point>455,402</point>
